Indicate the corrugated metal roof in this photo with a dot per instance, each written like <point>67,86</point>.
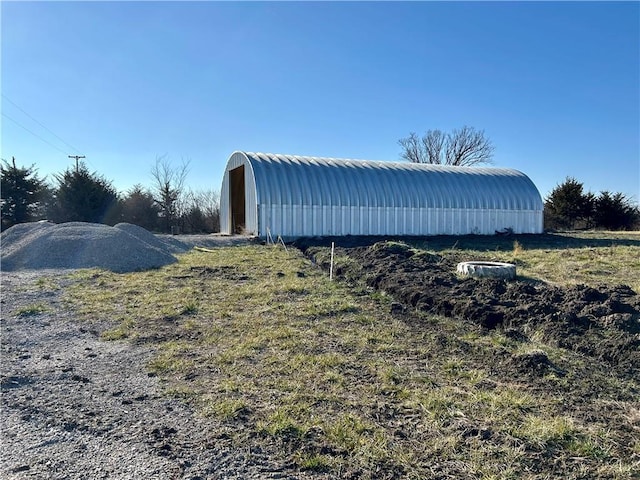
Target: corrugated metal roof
<point>300,180</point>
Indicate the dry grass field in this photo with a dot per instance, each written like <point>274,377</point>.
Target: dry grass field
<point>343,379</point>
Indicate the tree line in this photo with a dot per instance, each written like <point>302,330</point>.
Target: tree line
<point>168,206</point>
<point>569,207</point>
<point>78,195</point>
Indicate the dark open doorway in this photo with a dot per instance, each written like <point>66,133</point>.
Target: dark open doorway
<point>236,194</point>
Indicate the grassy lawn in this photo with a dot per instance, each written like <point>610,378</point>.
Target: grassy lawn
<point>590,258</point>
<point>322,374</point>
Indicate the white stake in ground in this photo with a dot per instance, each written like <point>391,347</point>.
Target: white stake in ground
<point>331,267</point>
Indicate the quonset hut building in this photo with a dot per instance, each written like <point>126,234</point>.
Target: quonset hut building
<point>293,196</point>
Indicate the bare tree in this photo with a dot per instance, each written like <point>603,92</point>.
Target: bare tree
<point>168,188</point>
<point>209,201</point>
<point>412,149</point>
<point>467,147</point>
<point>433,143</point>
<point>202,211</point>
<point>462,147</point>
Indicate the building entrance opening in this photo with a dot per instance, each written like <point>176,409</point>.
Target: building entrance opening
<point>236,197</point>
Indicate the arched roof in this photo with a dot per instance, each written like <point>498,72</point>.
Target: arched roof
<point>299,180</point>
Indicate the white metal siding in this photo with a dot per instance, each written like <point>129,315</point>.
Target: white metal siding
<point>295,196</point>
<point>236,160</point>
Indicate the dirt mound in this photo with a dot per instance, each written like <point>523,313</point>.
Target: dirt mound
<point>123,248</point>
<point>602,322</point>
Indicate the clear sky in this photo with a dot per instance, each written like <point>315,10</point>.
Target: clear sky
<point>555,86</point>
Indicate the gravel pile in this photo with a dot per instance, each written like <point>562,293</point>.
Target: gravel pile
<point>73,406</point>
<point>123,248</point>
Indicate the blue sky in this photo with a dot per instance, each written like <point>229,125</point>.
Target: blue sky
<point>555,86</point>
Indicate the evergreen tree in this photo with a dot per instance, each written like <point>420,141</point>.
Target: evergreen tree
<point>139,208</point>
<point>23,194</point>
<point>567,205</point>
<point>82,196</point>
<point>614,211</point>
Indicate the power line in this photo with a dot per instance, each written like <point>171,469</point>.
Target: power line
<point>32,133</point>
<point>39,123</point>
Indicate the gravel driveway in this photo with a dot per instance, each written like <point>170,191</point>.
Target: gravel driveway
<point>74,406</point>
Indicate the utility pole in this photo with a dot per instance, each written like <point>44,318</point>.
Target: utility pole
<point>77,157</point>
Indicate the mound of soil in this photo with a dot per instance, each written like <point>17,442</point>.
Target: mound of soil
<point>43,245</point>
<point>602,322</point>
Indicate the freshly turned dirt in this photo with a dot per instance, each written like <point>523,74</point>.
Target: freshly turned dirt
<point>596,331</point>
<point>602,322</point>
